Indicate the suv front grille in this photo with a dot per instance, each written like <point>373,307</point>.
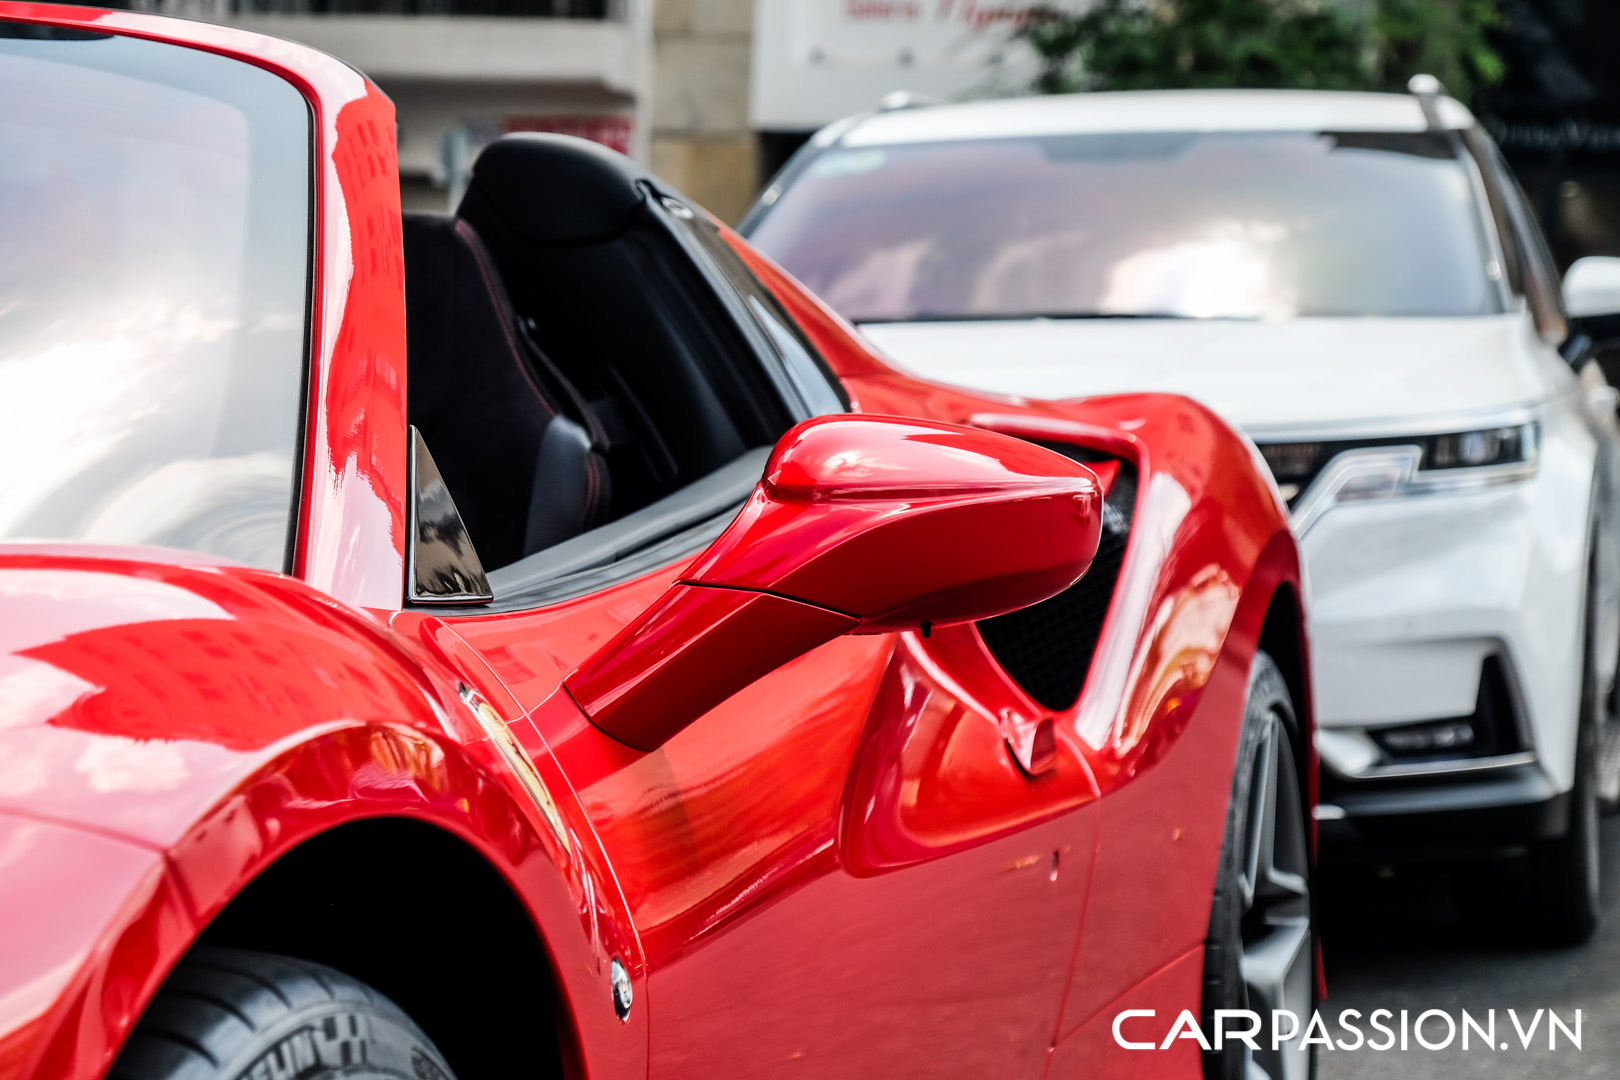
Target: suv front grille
<point>1047,647</point>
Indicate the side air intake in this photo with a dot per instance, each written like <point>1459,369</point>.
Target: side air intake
<point>1047,648</point>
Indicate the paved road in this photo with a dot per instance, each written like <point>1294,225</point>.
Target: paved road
<point>1401,944</point>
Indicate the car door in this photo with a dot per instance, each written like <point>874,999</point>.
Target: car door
<point>840,868</point>
<point>844,868</point>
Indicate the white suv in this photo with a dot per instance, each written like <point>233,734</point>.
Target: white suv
<point>1355,281</point>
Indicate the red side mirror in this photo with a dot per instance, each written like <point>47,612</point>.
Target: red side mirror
<point>861,523</point>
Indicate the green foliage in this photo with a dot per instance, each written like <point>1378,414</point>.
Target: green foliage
<point>1445,38</point>
<point>1289,44</point>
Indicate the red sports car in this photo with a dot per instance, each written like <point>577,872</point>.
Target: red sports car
<point>543,640</point>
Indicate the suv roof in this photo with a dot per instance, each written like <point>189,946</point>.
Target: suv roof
<point>1148,110</point>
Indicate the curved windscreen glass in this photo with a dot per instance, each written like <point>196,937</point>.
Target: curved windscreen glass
<point>154,251</point>
<point>1269,225</point>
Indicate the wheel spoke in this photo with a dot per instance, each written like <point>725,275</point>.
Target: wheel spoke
<point>1276,961</point>
<point>1277,974</point>
<point>1268,963</point>
<point>1282,876</point>
<point>1262,813</point>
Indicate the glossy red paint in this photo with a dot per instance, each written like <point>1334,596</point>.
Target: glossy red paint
<point>212,718</point>
<point>839,537</point>
<point>1176,649</point>
<point>879,854</point>
<point>693,649</point>
<point>44,951</point>
<point>850,511</point>
<point>892,759</point>
<point>1092,1051</point>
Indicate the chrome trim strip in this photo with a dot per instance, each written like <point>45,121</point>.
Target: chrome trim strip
<point>517,759</point>
<point>1398,463</point>
<point>1449,768</point>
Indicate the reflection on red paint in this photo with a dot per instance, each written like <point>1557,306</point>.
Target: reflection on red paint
<point>844,868</point>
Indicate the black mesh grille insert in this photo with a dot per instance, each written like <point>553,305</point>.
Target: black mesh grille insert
<point>1047,647</point>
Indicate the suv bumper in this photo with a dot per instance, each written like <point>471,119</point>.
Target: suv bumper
<point>1464,818</point>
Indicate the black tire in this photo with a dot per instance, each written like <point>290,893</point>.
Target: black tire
<point>1564,872</point>
<point>1598,708</point>
<point>228,1014</point>
<point>1607,771</point>
<point>1608,766</point>
<point>1262,921</point>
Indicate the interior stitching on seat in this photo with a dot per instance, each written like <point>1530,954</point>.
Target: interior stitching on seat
<point>497,295</point>
<point>593,471</point>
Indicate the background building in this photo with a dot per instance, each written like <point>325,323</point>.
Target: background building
<point>462,72</point>
<point>711,94</point>
<point>815,61</point>
<point>702,140</point>
<point>740,84</point>
<point>715,95</point>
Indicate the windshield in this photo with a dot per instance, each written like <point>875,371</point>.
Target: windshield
<point>1249,226</point>
<point>154,216</point>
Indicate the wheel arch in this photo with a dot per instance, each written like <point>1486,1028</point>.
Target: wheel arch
<point>414,844</point>
<point>418,913</point>
<point>1283,638</point>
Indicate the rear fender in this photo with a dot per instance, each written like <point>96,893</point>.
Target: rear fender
<point>210,719</point>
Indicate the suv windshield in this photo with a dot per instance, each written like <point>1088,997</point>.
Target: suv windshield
<point>1245,225</point>
<point>154,250</point>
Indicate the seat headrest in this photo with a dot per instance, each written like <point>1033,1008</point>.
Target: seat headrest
<point>553,189</point>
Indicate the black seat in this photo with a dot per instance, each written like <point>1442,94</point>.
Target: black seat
<point>610,293</point>
<point>518,450</point>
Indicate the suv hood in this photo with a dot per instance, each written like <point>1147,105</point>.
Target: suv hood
<point>1307,376</point>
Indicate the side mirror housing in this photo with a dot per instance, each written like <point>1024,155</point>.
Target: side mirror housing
<point>1592,297</point>
<point>861,524</point>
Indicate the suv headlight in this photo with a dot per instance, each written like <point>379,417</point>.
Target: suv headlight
<point>1316,476</point>
<point>1478,449</point>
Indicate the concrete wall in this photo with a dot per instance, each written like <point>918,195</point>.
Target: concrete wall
<point>701,141</point>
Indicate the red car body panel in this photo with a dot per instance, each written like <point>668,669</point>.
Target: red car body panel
<point>844,838</point>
